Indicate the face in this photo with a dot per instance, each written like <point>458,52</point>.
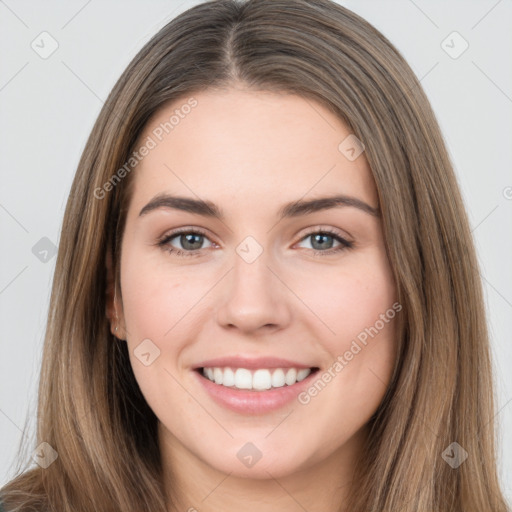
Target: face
<point>288,308</point>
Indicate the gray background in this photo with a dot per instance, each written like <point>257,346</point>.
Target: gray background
<point>48,107</point>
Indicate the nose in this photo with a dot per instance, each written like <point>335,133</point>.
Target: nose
<point>253,299</point>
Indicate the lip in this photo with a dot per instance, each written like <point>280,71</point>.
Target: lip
<point>251,363</point>
<point>253,402</point>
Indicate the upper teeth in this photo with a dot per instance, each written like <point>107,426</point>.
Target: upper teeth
<point>242,378</point>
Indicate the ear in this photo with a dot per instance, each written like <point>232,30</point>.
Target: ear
<point>114,308</point>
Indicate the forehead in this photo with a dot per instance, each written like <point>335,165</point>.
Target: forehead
<point>250,148</point>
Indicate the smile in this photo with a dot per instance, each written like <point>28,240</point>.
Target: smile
<point>258,379</point>
<point>256,391</point>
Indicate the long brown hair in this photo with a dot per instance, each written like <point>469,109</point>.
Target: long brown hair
<point>90,409</point>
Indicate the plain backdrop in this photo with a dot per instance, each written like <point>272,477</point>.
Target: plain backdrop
<point>48,107</point>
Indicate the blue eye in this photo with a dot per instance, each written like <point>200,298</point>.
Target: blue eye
<point>191,242</point>
<point>322,242</point>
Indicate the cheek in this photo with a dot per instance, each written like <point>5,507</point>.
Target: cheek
<point>362,352</point>
<point>155,298</point>
<point>358,309</point>
<point>157,306</point>
<point>350,301</point>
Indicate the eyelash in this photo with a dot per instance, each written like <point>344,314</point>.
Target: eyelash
<point>164,241</point>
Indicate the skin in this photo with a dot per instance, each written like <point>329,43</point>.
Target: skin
<point>250,152</point>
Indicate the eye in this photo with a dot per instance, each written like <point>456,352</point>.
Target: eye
<point>322,242</point>
<point>190,242</point>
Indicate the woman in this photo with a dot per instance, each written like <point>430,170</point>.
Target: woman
<point>266,294</point>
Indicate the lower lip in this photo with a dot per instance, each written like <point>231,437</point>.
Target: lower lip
<point>253,402</point>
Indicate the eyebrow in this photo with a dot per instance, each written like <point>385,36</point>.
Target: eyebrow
<point>293,209</point>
